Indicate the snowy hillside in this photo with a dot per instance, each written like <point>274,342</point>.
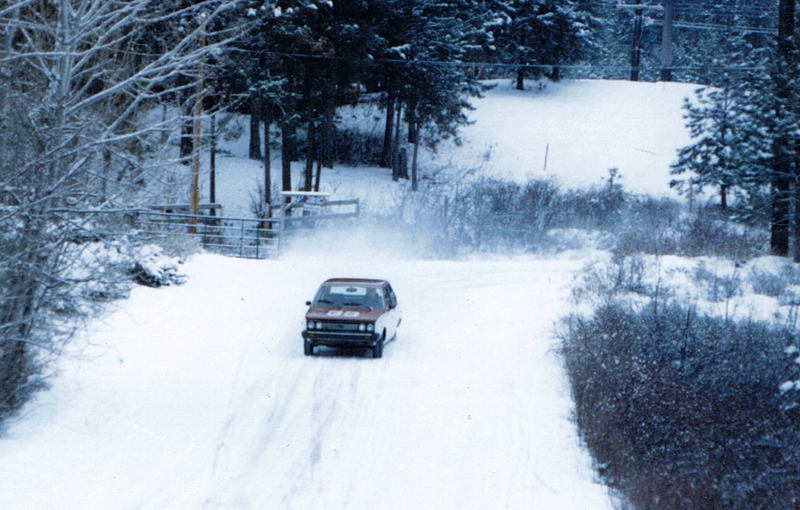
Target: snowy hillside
<point>577,130</point>
<point>199,396</point>
<point>574,131</point>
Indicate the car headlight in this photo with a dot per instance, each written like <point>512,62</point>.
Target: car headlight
<point>362,327</point>
<point>370,327</point>
<point>319,325</point>
<point>310,325</point>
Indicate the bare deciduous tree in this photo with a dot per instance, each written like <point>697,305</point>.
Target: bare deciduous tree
<point>80,81</point>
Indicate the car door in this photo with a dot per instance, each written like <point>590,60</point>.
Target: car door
<point>393,313</point>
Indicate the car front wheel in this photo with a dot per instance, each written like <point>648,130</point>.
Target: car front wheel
<point>377,351</point>
<point>308,349</point>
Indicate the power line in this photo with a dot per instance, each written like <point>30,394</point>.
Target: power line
<point>716,26</point>
<point>503,65</point>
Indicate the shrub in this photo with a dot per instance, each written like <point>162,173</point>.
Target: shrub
<point>649,226</point>
<point>767,284</point>
<point>153,268</point>
<point>717,287</point>
<point>684,411</point>
<point>351,147</point>
<point>465,213</point>
<point>711,233</point>
<point>622,276</point>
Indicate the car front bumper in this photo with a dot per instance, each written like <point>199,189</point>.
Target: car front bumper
<point>340,339</point>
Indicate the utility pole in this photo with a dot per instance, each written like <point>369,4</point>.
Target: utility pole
<point>666,42</point>
<point>197,113</point>
<point>638,27</point>
<point>638,14</point>
<point>212,181</point>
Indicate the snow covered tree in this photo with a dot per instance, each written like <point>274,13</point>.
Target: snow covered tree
<point>709,36</point>
<point>705,36</point>
<point>747,138</point>
<point>306,60</point>
<point>78,85</point>
<point>536,36</point>
<point>422,67</point>
<point>732,150</point>
<point>300,63</point>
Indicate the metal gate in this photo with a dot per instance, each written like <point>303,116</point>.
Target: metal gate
<point>249,237</point>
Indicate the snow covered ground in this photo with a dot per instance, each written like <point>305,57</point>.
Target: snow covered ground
<point>573,131</point>
<point>199,396</point>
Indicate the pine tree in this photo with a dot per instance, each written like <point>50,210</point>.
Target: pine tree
<point>732,148</point>
<point>538,36</point>
<point>421,72</point>
<point>747,132</point>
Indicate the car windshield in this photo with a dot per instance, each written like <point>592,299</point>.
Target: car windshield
<point>350,296</point>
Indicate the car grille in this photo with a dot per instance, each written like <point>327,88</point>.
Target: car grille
<point>339,326</point>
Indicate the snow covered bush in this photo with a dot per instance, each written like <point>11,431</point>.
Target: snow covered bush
<point>154,268</point>
<point>600,208</point>
<point>621,276</point>
<point>80,278</point>
<point>711,232</point>
<point>460,213</point>
<point>684,377</point>
<point>718,287</point>
<point>681,410</point>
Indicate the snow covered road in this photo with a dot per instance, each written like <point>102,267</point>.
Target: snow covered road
<point>200,397</point>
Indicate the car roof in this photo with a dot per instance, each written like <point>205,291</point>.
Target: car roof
<point>355,281</point>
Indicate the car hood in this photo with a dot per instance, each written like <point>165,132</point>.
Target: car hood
<point>319,313</point>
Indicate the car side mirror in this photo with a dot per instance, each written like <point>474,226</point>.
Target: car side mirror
<point>308,303</point>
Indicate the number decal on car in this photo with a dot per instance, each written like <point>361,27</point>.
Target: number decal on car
<point>342,313</point>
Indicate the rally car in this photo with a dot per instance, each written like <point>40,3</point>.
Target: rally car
<point>352,312</point>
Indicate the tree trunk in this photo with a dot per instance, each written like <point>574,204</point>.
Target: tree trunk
<point>520,79</point>
<point>325,145</point>
<point>779,232</point>
<point>414,186</point>
<point>781,180</point>
<point>20,312</point>
<point>15,373</point>
<point>795,227</point>
<point>402,163</point>
<point>291,146</point>
<point>319,175</point>
<point>310,143</point>
<point>255,142</point>
<point>396,146</point>
<point>785,27</point>
<point>267,162</point>
<point>287,134</point>
<point>187,130</point>
<point>387,153</point>
<point>411,113</point>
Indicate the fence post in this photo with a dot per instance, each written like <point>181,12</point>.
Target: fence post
<point>241,240</point>
<point>282,224</point>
